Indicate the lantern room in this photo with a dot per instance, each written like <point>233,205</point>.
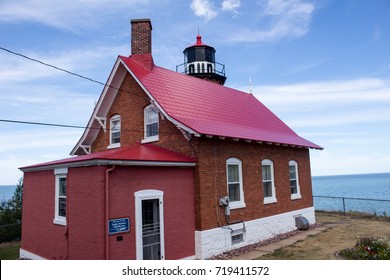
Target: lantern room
<point>199,61</point>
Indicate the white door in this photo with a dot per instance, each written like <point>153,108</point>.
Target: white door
<point>149,225</point>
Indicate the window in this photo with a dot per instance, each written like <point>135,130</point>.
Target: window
<point>150,124</point>
<point>60,196</point>
<point>234,183</point>
<point>294,180</point>
<point>268,181</point>
<point>237,236</point>
<point>115,131</point>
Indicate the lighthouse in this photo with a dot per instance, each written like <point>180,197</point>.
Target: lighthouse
<point>199,61</point>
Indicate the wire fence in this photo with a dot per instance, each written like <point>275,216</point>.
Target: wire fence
<point>380,207</point>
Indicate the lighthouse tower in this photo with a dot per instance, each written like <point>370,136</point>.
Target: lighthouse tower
<point>199,61</point>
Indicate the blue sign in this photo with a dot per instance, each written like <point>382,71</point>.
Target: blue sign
<point>118,225</point>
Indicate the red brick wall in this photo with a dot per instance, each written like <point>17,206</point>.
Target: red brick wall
<point>212,184</point>
<point>131,109</point>
<point>141,36</point>
<point>210,173</point>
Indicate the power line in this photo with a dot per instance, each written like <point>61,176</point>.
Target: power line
<point>72,126</point>
<point>69,72</point>
<point>44,124</point>
<point>53,66</point>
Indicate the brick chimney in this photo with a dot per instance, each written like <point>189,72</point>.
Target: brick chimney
<point>141,36</point>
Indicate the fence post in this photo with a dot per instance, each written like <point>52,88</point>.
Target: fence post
<point>344,204</point>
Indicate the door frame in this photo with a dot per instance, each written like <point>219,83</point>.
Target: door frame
<point>139,197</point>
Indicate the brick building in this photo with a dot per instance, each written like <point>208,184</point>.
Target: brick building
<point>170,166</point>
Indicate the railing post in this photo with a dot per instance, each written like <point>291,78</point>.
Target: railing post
<point>344,204</point>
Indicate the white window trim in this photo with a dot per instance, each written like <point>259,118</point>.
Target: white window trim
<point>59,173</point>
<point>115,145</point>
<point>298,194</point>
<point>154,138</point>
<point>241,202</point>
<point>271,199</point>
<point>146,195</point>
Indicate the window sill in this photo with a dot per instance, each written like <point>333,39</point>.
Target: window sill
<point>113,146</point>
<point>296,196</point>
<point>150,139</point>
<point>60,222</point>
<point>270,200</point>
<point>237,205</point>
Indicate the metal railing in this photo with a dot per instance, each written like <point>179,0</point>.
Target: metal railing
<point>365,205</point>
<point>218,68</point>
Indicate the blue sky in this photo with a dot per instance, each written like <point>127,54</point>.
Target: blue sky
<point>322,66</point>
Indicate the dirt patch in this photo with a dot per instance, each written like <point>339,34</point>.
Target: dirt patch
<point>343,232</point>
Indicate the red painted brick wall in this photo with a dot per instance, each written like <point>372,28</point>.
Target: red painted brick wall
<point>179,218</point>
<point>39,235</point>
<point>86,212</point>
<point>84,235</point>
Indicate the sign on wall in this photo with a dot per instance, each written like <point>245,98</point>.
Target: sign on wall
<point>118,225</point>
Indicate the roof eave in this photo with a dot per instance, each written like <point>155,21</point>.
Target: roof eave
<point>100,162</point>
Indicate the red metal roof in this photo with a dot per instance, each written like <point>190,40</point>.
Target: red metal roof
<point>211,109</point>
<point>135,153</point>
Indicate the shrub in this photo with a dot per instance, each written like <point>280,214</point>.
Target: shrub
<point>368,248</point>
<point>11,216</point>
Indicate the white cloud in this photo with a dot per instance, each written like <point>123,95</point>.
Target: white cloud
<point>326,92</point>
<point>276,20</point>
<point>231,5</point>
<point>204,8</point>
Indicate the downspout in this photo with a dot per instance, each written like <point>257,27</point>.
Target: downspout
<point>107,214</point>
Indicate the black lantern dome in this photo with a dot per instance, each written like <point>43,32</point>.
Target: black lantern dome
<point>199,61</point>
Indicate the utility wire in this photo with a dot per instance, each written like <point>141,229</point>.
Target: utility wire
<point>53,66</point>
<point>69,72</point>
<point>74,126</point>
<point>44,124</point>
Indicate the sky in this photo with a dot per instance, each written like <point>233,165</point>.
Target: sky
<point>323,67</point>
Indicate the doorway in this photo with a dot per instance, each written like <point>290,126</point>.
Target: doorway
<point>150,225</point>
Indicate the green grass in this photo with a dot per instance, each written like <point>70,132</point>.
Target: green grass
<point>9,251</point>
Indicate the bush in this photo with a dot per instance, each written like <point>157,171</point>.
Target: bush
<point>372,248</point>
<point>11,215</point>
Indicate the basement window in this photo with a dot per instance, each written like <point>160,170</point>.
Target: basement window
<point>237,236</point>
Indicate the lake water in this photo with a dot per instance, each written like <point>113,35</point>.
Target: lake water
<point>367,186</point>
<point>6,192</point>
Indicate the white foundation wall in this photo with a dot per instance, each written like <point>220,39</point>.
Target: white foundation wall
<point>215,241</point>
<point>23,254</point>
